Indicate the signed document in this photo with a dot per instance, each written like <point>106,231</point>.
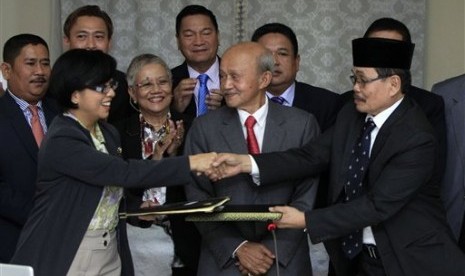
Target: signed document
<point>186,207</point>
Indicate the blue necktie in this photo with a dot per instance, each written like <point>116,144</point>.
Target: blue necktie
<point>278,100</point>
<point>352,243</point>
<point>203,92</point>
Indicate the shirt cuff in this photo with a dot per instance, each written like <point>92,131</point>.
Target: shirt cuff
<point>255,173</point>
<point>237,248</point>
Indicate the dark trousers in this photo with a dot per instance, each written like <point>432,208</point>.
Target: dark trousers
<point>369,266</point>
<point>462,235</point>
<point>183,271</point>
<point>364,264</point>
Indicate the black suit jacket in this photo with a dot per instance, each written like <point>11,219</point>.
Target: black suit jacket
<point>179,73</point>
<point>433,107</point>
<point>185,235</point>
<point>320,102</point>
<point>72,174</point>
<point>18,170</point>
<point>401,202</point>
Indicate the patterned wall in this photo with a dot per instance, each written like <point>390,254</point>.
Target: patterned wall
<point>324,29</point>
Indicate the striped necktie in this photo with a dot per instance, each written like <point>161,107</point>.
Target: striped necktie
<point>278,100</point>
<point>202,107</point>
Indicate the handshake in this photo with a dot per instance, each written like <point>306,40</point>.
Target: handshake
<point>217,166</point>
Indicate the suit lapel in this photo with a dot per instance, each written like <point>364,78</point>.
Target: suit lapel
<point>458,118</point>
<point>20,126</point>
<point>274,134</point>
<point>231,131</point>
<point>385,130</point>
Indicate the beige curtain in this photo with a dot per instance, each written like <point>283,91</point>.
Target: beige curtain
<point>324,29</point>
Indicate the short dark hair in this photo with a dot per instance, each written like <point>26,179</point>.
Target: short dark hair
<point>78,69</point>
<point>280,29</point>
<point>88,10</point>
<point>15,44</point>
<point>389,24</point>
<point>194,10</point>
<point>404,75</point>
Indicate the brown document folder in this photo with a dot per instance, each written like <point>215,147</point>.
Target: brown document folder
<point>187,207</point>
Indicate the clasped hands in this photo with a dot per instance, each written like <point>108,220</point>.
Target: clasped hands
<point>217,166</point>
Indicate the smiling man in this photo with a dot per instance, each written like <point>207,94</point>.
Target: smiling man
<point>251,123</point>
<point>24,117</point>
<point>197,36</point>
<point>385,215</point>
<point>91,28</point>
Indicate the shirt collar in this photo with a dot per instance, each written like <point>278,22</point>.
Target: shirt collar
<point>22,103</point>
<point>288,95</point>
<point>213,73</point>
<point>382,117</point>
<point>259,115</point>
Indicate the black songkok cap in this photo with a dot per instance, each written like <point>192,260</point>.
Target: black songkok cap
<point>382,53</point>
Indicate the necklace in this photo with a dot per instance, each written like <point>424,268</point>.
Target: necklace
<point>150,136</point>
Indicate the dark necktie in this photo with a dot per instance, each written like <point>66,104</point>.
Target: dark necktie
<point>278,100</point>
<point>352,243</point>
<point>36,127</point>
<point>203,92</point>
<point>252,143</point>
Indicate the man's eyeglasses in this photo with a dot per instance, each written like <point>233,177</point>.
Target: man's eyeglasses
<point>105,88</point>
<point>362,82</point>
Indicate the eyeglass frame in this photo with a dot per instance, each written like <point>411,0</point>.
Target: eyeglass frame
<point>147,84</point>
<point>105,88</point>
<point>355,79</point>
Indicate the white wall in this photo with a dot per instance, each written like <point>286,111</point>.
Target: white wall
<point>445,37</point>
<point>25,16</point>
<point>445,40</point>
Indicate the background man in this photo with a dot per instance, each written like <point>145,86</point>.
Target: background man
<point>385,216</point>
<point>89,27</point>
<point>453,183</point>
<point>246,71</point>
<point>282,42</point>
<point>198,40</point>
<point>24,117</point>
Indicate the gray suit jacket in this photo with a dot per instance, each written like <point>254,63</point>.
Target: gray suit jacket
<point>221,131</point>
<point>453,184</point>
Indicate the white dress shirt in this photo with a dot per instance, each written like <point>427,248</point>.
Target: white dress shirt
<point>288,95</point>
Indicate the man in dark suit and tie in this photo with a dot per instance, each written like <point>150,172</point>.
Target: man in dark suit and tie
<point>197,35</point>
<point>247,247</point>
<point>282,42</point>
<point>430,103</point>
<point>386,216</point>
<point>26,67</point>
<point>453,183</point>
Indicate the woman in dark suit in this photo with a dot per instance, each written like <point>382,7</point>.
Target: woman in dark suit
<point>156,132</point>
<point>74,226</point>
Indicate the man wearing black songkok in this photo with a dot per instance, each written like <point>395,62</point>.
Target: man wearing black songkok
<point>391,221</point>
